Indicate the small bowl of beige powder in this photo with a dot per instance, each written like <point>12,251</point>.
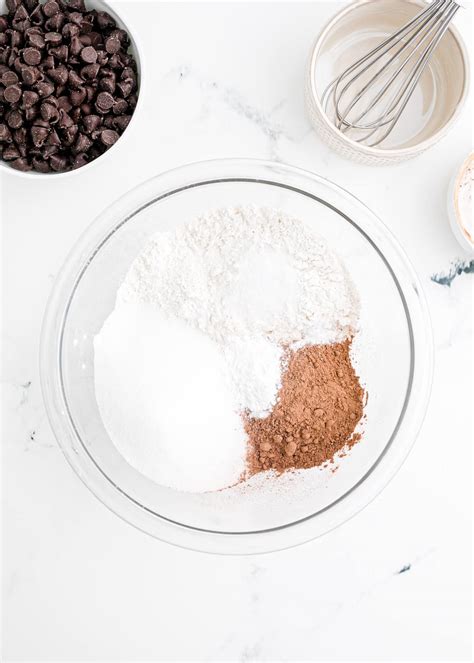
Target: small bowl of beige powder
<point>460,209</point>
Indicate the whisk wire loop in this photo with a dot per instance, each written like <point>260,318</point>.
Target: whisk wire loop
<point>413,44</point>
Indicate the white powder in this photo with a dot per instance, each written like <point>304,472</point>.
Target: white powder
<point>164,395</point>
<point>236,285</point>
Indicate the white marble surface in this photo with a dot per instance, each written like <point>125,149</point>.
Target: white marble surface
<point>225,79</point>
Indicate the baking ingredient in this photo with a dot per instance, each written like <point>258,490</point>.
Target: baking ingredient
<point>163,391</point>
<point>68,86</point>
<point>203,327</point>
<point>253,279</point>
<point>319,407</point>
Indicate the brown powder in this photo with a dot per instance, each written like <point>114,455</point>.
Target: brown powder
<point>319,406</point>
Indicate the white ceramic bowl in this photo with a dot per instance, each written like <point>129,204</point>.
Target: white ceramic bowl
<point>435,105</point>
<point>100,5</point>
<point>457,220</point>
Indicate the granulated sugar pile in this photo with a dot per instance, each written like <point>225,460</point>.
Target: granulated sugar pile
<point>209,320</point>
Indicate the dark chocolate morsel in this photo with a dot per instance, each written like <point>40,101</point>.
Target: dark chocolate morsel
<point>21,164</point>
<point>12,94</point>
<point>109,137</point>
<point>31,56</point>
<point>14,119</point>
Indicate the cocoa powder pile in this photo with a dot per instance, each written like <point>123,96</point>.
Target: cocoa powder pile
<point>320,403</point>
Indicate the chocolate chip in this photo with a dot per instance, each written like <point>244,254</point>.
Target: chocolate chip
<point>39,135</point>
<point>53,138</point>
<point>31,113</point>
<point>21,164</point>
<point>74,79</point>
<point>109,137</point>
<point>122,121</point>
<point>108,83</point>
<point>19,136</point>
<point>50,8</point>
<point>109,122</point>
<point>121,35</point>
<point>40,165</point>
<point>90,71</point>
<point>90,90</point>
<point>77,5</point>
<point>14,119</point>
<point>49,150</point>
<point>30,75</point>
<point>29,99</point>
<point>96,39</point>
<point>128,73</point>
<point>65,120</point>
<point>5,134</point>
<point>49,112</point>
<point>70,134</point>
<point>30,4</point>
<point>64,103</point>
<point>12,94</point>
<point>9,78</point>
<point>16,38</point>
<point>54,38</point>
<point>125,88</point>
<point>59,75</point>
<point>105,20</point>
<point>58,162</point>
<point>78,96</point>
<point>44,88</point>
<point>79,160</point>
<point>37,41</point>
<point>76,17</point>
<point>89,55</point>
<point>112,45</point>
<point>105,102</point>
<point>85,40</point>
<point>114,62</point>
<point>70,30</point>
<point>60,53</point>
<point>102,58</point>
<point>55,23</point>
<point>31,56</point>
<point>75,46</point>
<point>82,144</point>
<point>11,152</point>
<point>37,16</point>
<point>20,15</point>
<point>48,63</point>
<point>76,113</point>
<point>120,107</point>
<point>91,123</point>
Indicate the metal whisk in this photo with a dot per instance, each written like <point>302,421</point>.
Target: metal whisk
<point>370,95</point>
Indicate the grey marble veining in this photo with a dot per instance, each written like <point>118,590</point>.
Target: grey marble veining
<point>457,268</point>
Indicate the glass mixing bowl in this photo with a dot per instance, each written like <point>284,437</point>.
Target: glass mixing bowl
<point>393,354</point>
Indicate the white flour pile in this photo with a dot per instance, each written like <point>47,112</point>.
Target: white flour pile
<point>198,334</point>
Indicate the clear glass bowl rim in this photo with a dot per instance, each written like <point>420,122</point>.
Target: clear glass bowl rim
<point>213,172</point>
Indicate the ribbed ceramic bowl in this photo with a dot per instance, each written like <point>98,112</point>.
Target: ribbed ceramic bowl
<point>394,359</point>
<point>435,105</point>
<point>100,5</point>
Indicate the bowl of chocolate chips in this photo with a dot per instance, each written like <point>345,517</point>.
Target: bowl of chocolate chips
<point>70,75</point>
